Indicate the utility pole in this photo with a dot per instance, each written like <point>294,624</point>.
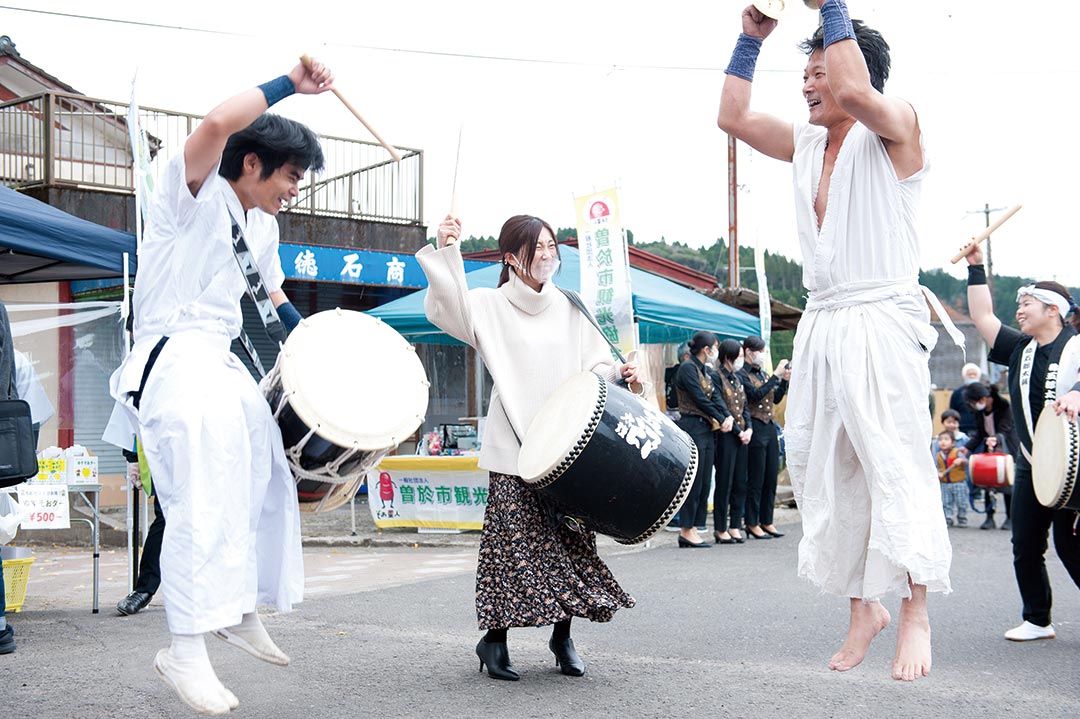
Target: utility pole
<point>985,211</point>
<point>733,216</point>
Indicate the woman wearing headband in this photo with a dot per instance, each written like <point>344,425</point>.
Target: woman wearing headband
<point>1042,359</point>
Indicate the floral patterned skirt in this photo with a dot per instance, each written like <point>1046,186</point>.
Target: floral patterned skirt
<point>529,575</point>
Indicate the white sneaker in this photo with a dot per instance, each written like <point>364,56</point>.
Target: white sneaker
<point>1027,632</point>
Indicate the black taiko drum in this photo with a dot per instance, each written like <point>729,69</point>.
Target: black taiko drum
<point>608,459</point>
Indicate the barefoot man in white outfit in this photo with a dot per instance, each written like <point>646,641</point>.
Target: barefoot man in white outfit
<point>857,417</point>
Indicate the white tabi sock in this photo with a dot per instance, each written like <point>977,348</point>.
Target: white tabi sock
<point>185,666</point>
<point>251,636</point>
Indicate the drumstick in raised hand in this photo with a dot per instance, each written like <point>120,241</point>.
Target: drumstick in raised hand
<point>457,163</point>
<point>393,153</point>
<point>984,234</point>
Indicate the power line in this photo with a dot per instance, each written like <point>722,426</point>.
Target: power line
<point>378,48</point>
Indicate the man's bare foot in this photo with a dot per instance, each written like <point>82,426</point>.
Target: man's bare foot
<point>867,619</point>
<point>912,659</point>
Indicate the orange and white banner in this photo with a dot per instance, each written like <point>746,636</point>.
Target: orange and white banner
<point>605,267</point>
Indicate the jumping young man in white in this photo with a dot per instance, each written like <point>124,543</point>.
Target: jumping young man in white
<point>232,538</point>
<point>857,416</point>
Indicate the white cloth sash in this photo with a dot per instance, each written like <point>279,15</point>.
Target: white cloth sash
<point>1067,366</point>
<point>850,294</point>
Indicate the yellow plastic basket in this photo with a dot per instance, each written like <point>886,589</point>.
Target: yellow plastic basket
<point>16,575</point>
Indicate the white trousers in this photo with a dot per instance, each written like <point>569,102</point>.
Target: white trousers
<point>232,522</point>
<point>857,424</point>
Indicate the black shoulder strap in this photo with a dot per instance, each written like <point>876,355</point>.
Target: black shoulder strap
<point>575,299</point>
<point>259,293</point>
<point>7,358</point>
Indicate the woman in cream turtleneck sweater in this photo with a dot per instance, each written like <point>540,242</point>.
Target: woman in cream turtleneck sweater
<point>531,339</point>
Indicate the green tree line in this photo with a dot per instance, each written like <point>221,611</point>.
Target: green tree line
<point>784,276</point>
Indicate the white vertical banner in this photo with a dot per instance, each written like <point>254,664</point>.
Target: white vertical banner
<point>605,266</point>
<point>143,181</point>
<point>764,303</point>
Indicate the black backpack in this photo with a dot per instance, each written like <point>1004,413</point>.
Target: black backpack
<point>18,458</point>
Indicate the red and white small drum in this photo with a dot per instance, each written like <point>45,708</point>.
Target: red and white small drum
<point>346,390</point>
<point>1055,453</point>
<point>992,469</point>
<point>607,458</point>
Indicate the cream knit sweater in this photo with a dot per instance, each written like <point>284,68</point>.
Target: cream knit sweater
<point>531,342</point>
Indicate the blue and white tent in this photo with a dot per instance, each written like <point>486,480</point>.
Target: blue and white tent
<point>665,312</point>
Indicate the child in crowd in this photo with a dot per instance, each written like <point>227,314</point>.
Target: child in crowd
<point>952,475</point>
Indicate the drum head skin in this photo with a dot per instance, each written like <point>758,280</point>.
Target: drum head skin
<point>557,428</point>
<point>1055,460</point>
<point>354,378</point>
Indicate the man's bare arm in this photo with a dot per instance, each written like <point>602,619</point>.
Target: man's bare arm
<point>203,149</point>
<point>765,133</point>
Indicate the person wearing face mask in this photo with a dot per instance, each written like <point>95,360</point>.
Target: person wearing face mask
<point>701,416</point>
<point>531,338</point>
<point>1043,358</point>
<point>729,497</point>
<point>969,374</point>
<point>763,452</point>
<point>993,417</point>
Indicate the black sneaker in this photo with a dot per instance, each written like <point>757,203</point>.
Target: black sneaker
<point>988,524</point>
<point>1007,524</point>
<point>7,640</point>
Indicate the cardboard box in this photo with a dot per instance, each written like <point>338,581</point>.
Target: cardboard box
<point>82,470</point>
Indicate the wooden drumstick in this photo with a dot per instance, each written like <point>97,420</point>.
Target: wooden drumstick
<point>457,163</point>
<point>393,153</point>
<point>984,234</point>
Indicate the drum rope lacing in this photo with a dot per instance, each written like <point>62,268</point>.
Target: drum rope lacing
<point>329,472</point>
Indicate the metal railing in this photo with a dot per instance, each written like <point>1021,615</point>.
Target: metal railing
<point>64,139</point>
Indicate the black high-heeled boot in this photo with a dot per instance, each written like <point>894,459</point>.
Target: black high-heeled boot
<point>566,657</point>
<point>497,658</point>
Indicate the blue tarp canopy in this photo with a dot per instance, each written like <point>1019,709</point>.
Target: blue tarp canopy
<point>40,243</point>
<point>666,312</point>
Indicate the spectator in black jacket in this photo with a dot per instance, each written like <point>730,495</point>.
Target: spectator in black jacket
<point>993,416</point>
<point>763,452</point>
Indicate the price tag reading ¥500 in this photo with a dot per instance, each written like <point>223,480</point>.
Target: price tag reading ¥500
<point>46,506</point>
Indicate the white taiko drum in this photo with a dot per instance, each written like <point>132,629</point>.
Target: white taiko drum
<point>345,391</point>
<point>1055,453</point>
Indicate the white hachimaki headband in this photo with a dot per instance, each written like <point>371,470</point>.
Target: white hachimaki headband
<point>1047,297</point>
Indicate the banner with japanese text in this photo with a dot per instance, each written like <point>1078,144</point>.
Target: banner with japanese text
<point>428,492</point>
<point>352,266</point>
<point>605,266</point>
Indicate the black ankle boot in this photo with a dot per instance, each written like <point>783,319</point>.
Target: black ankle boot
<point>497,658</point>
<point>566,657</point>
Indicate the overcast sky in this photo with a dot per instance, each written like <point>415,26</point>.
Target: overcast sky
<point>567,96</point>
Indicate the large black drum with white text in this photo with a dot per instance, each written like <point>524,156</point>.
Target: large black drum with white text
<point>608,459</point>
<point>346,390</point>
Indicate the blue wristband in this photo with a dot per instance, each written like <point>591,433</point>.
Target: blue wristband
<point>835,22</point>
<point>744,57</point>
<point>289,315</point>
<point>277,90</point>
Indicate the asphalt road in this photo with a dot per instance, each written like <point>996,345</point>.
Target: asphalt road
<point>728,632</point>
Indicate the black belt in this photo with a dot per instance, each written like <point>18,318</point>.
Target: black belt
<point>136,397</point>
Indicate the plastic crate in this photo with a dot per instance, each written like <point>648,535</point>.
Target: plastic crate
<point>16,576</point>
